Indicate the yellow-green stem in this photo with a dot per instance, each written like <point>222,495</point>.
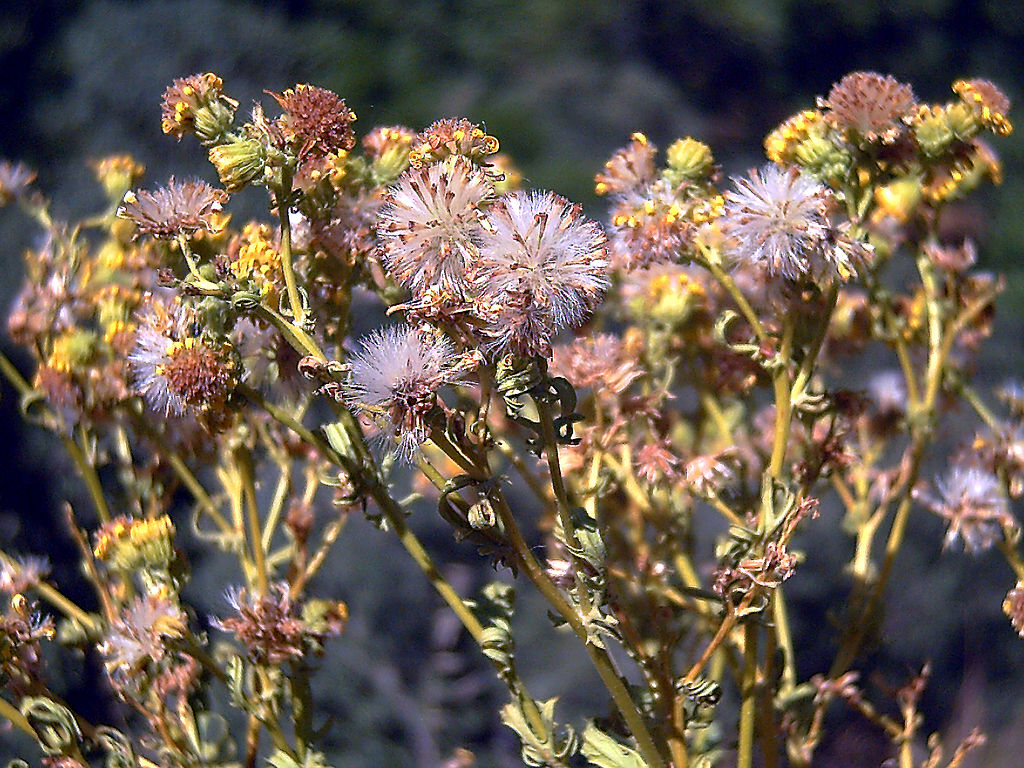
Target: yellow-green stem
<point>726,281</point>
<point>243,459</point>
<point>88,474</point>
<point>17,719</point>
<point>748,691</point>
<point>555,471</point>
<point>281,198</point>
<point>598,656</point>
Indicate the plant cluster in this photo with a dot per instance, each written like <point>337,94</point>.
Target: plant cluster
<point>587,406</point>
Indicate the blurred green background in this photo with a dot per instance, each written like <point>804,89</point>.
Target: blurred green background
<point>561,84</point>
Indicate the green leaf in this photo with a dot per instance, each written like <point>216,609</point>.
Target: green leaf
<point>604,751</point>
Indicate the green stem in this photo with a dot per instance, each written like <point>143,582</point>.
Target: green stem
<point>783,408</point>
<point>748,690</point>
<point>281,199</point>
<point>88,474</point>
<point>243,460</point>
<point>726,281</point>
<point>191,482</point>
<point>598,656</point>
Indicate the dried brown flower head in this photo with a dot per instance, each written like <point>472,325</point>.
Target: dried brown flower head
<point>316,121</point>
<point>272,626</point>
<point>22,628</point>
<point>176,370</point>
<point>175,209</point>
<point>870,105</point>
<point>452,136</point>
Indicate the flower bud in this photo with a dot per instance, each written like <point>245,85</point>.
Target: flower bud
<point>118,174</point>
<point>238,162</point>
<point>822,158</point>
<point>688,160</point>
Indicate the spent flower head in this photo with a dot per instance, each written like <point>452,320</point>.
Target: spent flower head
<point>316,121</point>
<point>431,225</point>
<point>779,219</point>
<point>1013,607</point>
<point>629,169</point>
<point>869,105</point>
<point>544,267</point>
<point>989,104</point>
<point>15,179</point>
<point>396,374</point>
<point>140,634</point>
<point>601,361</point>
<point>972,500</point>
<point>177,369</point>
<point>22,573</point>
<point>274,627</point>
<point>174,209</point>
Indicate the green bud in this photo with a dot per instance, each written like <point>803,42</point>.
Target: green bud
<point>238,162</point>
<point>823,159</point>
<point>688,160</point>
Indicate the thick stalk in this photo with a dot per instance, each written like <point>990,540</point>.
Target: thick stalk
<point>748,690</point>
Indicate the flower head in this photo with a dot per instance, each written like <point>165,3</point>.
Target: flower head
<point>629,169</point>
<point>779,219</point>
<point>888,392</point>
<point>451,136</point>
<point>135,544</point>
<point>1013,607</point>
<point>175,209</point>
<point>973,502</point>
<point>654,225</point>
<point>197,104</point>
<point>601,361</point>
<point>140,634</point>
<point>15,179</point>
<point>870,105</point>
<point>177,370</point>
<point>988,103</point>
<point>395,377</point>
<point>431,225</point>
<point>316,121</point>
<point>274,627</point>
<point>22,573</point>
<point>543,268</point>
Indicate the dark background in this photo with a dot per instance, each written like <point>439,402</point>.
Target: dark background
<point>561,85</point>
